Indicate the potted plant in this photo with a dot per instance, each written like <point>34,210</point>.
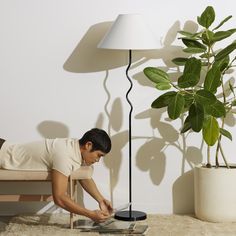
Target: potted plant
<point>203,95</point>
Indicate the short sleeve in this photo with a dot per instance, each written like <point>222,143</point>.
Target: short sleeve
<point>61,160</point>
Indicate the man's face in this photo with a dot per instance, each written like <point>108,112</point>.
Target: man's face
<point>90,157</point>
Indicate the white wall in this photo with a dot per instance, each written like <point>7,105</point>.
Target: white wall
<point>55,82</point>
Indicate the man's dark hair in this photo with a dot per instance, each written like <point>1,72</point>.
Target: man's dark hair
<point>99,138</point>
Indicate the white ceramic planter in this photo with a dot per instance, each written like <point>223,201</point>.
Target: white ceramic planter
<point>215,194</point>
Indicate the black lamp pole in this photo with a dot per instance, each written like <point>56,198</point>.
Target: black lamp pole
<point>130,215</point>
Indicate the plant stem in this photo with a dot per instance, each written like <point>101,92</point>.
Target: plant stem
<point>217,152</point>
<point>208,68</point>
<point>218,146</point>
<point>222,126</point>
<point>208,157</point>
<point>222,153</point>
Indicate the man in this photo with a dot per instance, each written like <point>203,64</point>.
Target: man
<point>62,156</point>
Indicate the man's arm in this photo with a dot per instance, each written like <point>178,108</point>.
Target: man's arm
<point>90,187</point>
<point>60,197</point>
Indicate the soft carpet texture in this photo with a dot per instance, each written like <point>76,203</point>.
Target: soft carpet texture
<point>159,225</point>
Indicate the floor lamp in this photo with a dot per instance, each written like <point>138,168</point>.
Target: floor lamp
<point>129,32</point>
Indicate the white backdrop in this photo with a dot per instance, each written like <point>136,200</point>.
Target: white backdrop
<point>56,83</point>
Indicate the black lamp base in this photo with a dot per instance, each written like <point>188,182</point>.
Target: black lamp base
<point>130,216</point>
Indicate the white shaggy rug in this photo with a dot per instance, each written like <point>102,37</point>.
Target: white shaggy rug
<point>159,225</point>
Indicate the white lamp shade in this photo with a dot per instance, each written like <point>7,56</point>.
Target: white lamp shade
<point>129,31</point>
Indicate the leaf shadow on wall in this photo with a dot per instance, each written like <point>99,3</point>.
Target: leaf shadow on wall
<point>151,154</point>
<point>53,129</point>
<point>119,140</point>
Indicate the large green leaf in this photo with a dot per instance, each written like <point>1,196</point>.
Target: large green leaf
<point>222,64</point>
<point>232,30</point>
<point>179,61</point>
<point>186,126</point>
<point>196,116</point>
<point>188,80</point>
<point>226,133</point>
<point>210,130</point>
<point>222,22</point>
<point>156,75</point>
<point>191,43</point>
<point>163,86</point>
<point>212,80</point>
<point>207,17</point>
<point>191,74</point>
<point>216,109</point>
<point>175,106</point>
<point>226,51</point>
<point>194,50</point>
<point>188,34</point>
<point>188,97</point>
<point>204,97</point>
<point>163,100</point>
<point>222,35</point>
<point>193,65</point>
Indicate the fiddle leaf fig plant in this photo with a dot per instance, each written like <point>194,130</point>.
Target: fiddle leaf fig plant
<point>201,93</point>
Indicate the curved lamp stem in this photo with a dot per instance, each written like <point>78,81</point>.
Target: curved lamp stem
<point>130,215</point>
<point>130,131</point>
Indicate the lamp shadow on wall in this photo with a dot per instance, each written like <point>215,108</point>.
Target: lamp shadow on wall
<point>151,156</point>
<point>87,58</point>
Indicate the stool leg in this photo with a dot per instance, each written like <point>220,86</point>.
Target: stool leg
<point>71,196</point>
<point>76,190</point>
<point>74,198</point>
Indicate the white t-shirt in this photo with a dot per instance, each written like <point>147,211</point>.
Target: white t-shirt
<point>61,154</point>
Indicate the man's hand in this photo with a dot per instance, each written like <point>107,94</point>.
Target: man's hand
<point>59,189</point>
<point>99,216</point>
<point>106,206</point>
